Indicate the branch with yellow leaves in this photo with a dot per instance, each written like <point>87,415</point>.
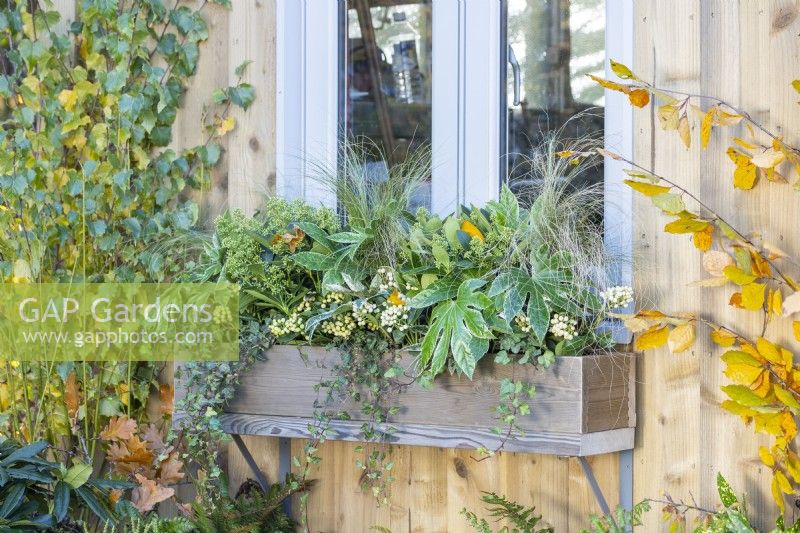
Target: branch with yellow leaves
<point>764,389</point>
<point>752,159</point>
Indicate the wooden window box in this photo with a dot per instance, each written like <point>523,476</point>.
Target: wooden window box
<point>583,405</point>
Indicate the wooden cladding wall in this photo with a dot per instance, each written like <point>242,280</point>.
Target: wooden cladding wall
<point>433,485</point>
<point>743,50</point>
<point>746,52</point>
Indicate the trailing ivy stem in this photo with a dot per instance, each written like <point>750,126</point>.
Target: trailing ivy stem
<point>715,215</point>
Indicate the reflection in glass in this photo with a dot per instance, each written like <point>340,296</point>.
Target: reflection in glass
<point>557,43</point>
<point>387,81</point>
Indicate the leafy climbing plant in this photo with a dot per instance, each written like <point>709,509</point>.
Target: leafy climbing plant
<point>765,384</point>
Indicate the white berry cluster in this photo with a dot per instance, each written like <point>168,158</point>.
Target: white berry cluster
<point>523,323</point>
<point>563,326</point>
<point>362,312</point>
<point>617,296</point>
<point>305,305</point>
<point>394,316</point>
<point>386,281</point>
<point>340,326</point>
<point>331,298</point>
<point>292,324</point>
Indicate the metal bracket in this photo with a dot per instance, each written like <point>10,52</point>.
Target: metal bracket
<point>284,465</point>
<point>251,462</point>
<point>598,494</point>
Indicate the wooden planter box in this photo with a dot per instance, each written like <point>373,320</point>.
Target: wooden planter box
<point>583,405</point>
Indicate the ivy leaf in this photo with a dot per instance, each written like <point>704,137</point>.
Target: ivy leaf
<point>457,327</point>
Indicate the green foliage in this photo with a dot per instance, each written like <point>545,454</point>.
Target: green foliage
<point>451,289</point>
<point>251,511</point>
<point>519,519</point>
<point>87,179</point>
<point>732,517</point>
<point>620,521</point>
<point>36,494</point>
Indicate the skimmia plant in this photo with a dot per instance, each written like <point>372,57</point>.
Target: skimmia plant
<point>520,280</point>
<point>764,389</point>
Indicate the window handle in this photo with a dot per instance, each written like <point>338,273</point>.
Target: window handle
<point>515,71</point>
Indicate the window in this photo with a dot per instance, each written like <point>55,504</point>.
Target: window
<point>387,79</point>
<point>408,72</point>
<point>552,46</point>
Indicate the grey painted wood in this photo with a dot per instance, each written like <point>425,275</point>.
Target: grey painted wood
<point>583,406</point>
<point>571,444</point>
<point>576,395</point>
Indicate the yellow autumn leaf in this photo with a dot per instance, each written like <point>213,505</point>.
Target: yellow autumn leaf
<point>396,299</point>
<point>714,262</point>
<point>705,126</point>
<point>753,296</point>
<point>737,275</point>
<point>723,118</point>
<point>225,125</point>
<point>783,483</point>
<point>747,145</point>
<point>654,337</point>
<point>768,158</point>
<point>472,230</point>
<point>796,85</point>
<point>622,71</point>
<point>648,189</point>
<point>684,131</point>
<point>67,98</point>
<point>744,177</point>
<point>685,225</point>
<point>704,238</point>
<point>635,324</point>
<point>743,374</point>
<point>791,304</point>
<point>681,338</point>
<point>639,97</point>
<point>796,330</point>
<point>777,495</point>
<point>766,457</point>
<point>775,302</point>
<point>723,338</point>
<point>786,398</point>
<point>610,84</point>
<point>668,116</point>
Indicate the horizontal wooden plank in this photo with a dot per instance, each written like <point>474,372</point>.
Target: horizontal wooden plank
<point>575,395</point>
<point>568,444</point>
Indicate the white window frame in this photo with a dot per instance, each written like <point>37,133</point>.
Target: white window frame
<point>466,107</point>
<point>466,145</point>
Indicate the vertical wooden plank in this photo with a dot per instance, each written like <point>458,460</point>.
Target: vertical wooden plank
<point>212,73</point>
<point>251,146</point>
<point>429,491</point>
<point>582,500</point>
<point>669,396</point>
<point>265,453</point>
<point>67,9</point>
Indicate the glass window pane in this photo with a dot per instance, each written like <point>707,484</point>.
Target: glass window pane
<point>557,43</point>
<point>387,81</point>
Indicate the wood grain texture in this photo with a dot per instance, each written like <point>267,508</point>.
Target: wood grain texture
<point>576,395</point>
<point>719,48</point>
<point>471,438</point>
